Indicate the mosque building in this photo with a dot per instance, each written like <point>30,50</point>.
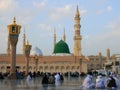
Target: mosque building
<point>62,60</point>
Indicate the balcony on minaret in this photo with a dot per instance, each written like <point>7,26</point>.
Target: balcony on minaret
<point>78,38</point>
<point>14,29</point>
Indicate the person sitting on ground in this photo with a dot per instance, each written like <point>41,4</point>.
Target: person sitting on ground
<point>100,82</point>
<point>116,79</point>
<point>61,77</point>
<point>45,79</point>
<point>111,83</point>
<point>1,76</point>
<point>51,79</point>
<point>57,79</point>
<point>88,83</point>
<point>29,77</point>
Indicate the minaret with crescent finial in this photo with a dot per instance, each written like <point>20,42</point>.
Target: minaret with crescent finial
<point>77,36</point>
<point>64,36</point>
<point>54,37</point>
<point>24,42</point>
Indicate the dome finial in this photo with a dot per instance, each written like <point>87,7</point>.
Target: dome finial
<point>77,7</point>
<point>77,11</point>
<point>54,30</point>
<point>14,21</point>
<point>27,42</point>
<point>64,36</point>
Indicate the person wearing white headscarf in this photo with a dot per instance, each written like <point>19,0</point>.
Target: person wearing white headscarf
<point>28,77</point>
<point>100,82</point>
<point>28,80</point>
<point>57,79</point>
<point>87,83</point>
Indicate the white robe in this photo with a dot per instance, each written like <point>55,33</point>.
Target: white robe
<point>28,78</point>
<point>87,83</point>
<point>100,82</point>
<point>57,77</point>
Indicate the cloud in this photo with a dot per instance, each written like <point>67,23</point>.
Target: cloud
<point>3,40</point>
<point>39,5</point>
<point>99,12</point>
<point>44,26</point>
<point>65,12</point>
<point>109,8</point>
<point>107,39</point>
<point>8,5</point>
<point>114,28</point>
<point>83,12</point>
<point>60,13</point>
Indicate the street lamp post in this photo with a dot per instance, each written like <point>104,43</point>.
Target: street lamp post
<point>80,65</point>
<point>27,55</point>
<point>36,62</point>
<point>35,55</point>
<point>13,32</point>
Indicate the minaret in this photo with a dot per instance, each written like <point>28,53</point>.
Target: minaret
<point>77,36</point>
<point>24,42</point>
<point>64,36</point>
<point>108,54</point>
<point>100,59</point>
<point>8,46</point>
<point>54,37</point>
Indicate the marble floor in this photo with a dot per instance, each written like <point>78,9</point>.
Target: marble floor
<point>35,84</point>
<point>69,83</point>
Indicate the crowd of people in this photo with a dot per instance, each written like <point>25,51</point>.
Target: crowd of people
<point>111,82</point>
<point>48,78</point>
<point>52,78</point>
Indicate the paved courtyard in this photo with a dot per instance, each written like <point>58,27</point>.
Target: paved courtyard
<point>69,83</point>
<point>35,84</point>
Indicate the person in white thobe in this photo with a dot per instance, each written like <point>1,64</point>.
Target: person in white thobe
<point>87,83</point>
<point>57,79</point>
<point>100,82</point>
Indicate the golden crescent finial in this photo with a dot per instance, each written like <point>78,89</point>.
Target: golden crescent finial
<point>27,42</point>
<point>14,20</point>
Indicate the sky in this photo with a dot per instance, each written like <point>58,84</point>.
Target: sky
<point>100,24</point>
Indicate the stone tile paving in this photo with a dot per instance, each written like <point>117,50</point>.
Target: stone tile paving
<point>73,83</point>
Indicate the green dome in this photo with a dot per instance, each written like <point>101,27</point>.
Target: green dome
<point>61,47</point>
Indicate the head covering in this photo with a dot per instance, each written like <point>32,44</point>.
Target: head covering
<point>90,73</point>
<point>99,76</point>
<point>112,74</point>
